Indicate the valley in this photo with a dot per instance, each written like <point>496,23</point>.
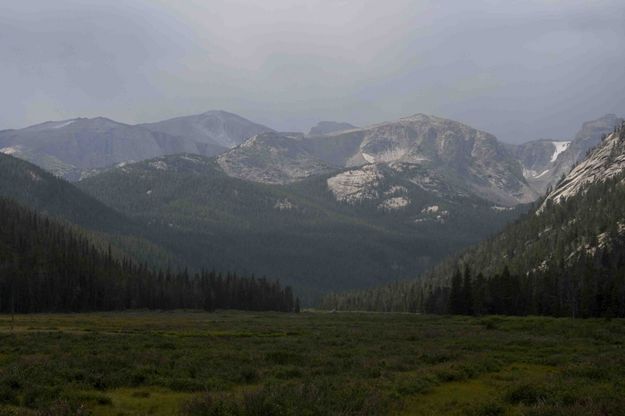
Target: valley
<point>296,232</point>
<point>340,208</point>
<point>313,208</point>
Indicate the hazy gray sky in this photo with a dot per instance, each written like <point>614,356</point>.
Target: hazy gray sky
<point>519,69</point>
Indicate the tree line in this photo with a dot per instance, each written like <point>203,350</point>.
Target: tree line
<point>594,286</point>
<point>591,286</point>
<point>47,267</point>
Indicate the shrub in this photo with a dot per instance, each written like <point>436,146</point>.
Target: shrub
<point>186,384</point>
<point>527,394</point>
<point>488,409</point>
<point>291,400</point>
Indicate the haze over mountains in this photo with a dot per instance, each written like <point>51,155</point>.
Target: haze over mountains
<point>77,148</point>
<point>340,207</point>
<point>299,232</point>
<point>72,148</point>
<point>215,131</point>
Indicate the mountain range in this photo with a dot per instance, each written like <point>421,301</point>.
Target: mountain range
<point>338,208</point>
<point>564,257</point>
<point>465,157</point>
<point>75,148</point>
<point>546,161</point>
<point>299,232</point>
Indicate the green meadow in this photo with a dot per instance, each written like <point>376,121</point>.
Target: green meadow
<point>312,363</point>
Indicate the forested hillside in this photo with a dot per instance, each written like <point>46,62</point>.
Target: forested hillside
<point>46,267</point>
<point>39,190</point>
<point>565,258</point>
<point>298,232</point>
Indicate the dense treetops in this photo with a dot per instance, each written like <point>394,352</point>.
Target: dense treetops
<point>47,267</point>
<point>299,232</point>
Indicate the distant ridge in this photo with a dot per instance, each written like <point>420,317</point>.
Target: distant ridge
<point>73,148</point>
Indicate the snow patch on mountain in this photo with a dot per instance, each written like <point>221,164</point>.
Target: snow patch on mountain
<point>532,174</point>
<point>395,190</point>
<point>605,162</point>
<point>284,204</point>
<point>432,213</point>
<point>159,164</point>
<point>431,209</point>
<point>62,124</point>
<point>192,158</point>
<point>395,203</point>
<point>560,147</point>
<point>34,176</point>
<point>10,150</point>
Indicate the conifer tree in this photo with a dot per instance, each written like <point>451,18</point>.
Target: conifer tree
<point>456,301</point>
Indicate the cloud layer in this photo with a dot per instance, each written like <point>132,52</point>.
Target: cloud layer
<point>521,70</point>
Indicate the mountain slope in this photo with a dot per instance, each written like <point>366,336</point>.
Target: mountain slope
<point>543,162</point>
<point>78,147</point>
<point>271,158</point>
<point>546,161</point>
<point>572,219</point>
<point>36,189</point>
<point>602,164</point>
<point>216,131</point>
<point>327,127</point>
<point>70,148</point>
<point>462,157</point>
<point>47,267</point>
<point>566,257</point>
<point>297,232</point>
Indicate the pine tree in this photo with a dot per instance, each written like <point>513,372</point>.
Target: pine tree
<point>467,293</point>
<point>456,301</point>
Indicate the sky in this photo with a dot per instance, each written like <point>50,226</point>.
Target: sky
<point>521,70</point>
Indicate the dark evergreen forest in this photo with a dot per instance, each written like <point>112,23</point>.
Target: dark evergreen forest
<point>47,267</point>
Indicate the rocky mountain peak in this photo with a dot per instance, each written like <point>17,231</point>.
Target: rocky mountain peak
<point>604,162</point>
<point>217,128</point>
<point>546,161</point>
<point>602,125</point>
<point>271,158</point>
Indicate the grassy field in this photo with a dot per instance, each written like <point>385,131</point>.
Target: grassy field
<point>235,363</point>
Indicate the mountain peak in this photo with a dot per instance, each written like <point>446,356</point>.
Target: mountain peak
<point>99,122</point>
<point>328,127</point>
<point>604,162</point>
<point>593,129</point>
<point>271,157</point>
<point>51,124</point>
<point>420,116</point>
<point>216,128</point>
<point>219,113</point>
